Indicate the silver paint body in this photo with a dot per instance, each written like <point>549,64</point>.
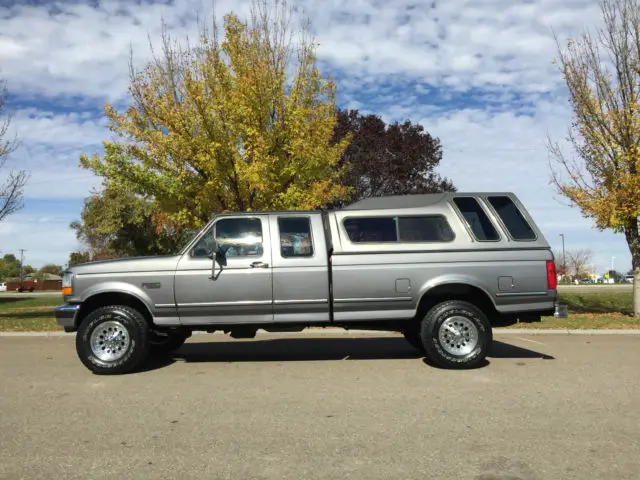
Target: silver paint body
<point>360,281</point>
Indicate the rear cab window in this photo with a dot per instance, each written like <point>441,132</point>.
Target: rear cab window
<point>476,218</point>
<point>295,237</point>
<point>512,218</point>
<point>404,229</point>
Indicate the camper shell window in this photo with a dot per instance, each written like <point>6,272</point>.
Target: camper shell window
<point>399,229</point>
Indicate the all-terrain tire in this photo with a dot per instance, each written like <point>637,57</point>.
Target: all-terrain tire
<point>163,343</point>
<point>456,335</point>
<point>113,340</point>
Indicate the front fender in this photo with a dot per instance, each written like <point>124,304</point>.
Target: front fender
<point>117,287</point>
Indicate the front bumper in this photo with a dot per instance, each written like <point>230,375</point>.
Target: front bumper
<point>66,316</point>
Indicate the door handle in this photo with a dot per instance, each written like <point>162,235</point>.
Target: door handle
<point>259,265</point>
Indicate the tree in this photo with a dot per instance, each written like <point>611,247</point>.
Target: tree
<point>603,181</point>
<point>393,159</point>
<point>52,269</point>
<point>11,190</point>
<point>578,262</point>
<point>76,258</point>
<point>560,264</point>
<point>118,223</point>
<point>221,126</point>
<point>10,267</point>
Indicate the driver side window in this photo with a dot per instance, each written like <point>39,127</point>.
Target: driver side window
<point>236,237</point>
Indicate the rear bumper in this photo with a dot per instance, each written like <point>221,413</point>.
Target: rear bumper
<point>66,316</point>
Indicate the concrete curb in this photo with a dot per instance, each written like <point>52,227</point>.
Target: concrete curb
<point>558,331</point>
<point>339,331</point>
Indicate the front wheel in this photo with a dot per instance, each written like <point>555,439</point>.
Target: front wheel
<point>456,334</point>
<point>113,340</point>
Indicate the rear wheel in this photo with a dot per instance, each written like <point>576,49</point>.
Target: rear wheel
<point>113,340</point>
<point>456,334</point>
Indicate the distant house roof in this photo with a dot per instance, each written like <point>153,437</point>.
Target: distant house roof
<point>50,276</point>
<point>34,276</point>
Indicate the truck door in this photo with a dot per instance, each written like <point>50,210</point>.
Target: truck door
<point>300,268</point>
<point>241,291</point>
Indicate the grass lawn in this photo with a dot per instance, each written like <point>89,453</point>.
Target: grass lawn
<point>590,310</point>
<point>28,313</point>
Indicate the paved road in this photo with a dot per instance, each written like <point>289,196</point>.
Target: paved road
<point>350,407</point>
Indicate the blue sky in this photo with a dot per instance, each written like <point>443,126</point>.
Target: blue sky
<point>477,75</point>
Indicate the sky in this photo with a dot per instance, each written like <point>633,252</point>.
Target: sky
<point>478,75</point>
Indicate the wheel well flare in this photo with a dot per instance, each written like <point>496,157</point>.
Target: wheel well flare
<point>105,299</point>
<point>456,291</point>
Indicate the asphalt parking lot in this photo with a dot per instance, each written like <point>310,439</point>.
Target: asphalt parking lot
<point>325,407</point>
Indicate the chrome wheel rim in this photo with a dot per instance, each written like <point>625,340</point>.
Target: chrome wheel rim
<point>110,341</point>
<point>458,335</point>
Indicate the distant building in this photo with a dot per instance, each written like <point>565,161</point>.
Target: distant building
<point>35,282</point>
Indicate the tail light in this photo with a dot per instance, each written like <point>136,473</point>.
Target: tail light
<point>552,278</point>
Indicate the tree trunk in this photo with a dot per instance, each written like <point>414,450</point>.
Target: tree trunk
<point>633,241</point>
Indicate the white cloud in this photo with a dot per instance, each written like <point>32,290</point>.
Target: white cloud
<point>58,130</point>
<point>46,238</point>
<point>76,49</point>
<point>50,148</point>
<point>400,59</point>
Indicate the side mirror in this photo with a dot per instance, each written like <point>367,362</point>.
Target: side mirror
<point>217,255</point>
<point>220,258</point>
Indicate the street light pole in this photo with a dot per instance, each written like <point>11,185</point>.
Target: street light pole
<point>613,273</point>
<point>564,260</point>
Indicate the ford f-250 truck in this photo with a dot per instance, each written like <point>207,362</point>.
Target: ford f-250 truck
<point>442,269</point>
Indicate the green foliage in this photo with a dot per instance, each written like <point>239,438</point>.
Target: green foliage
<point>51,269</point>
<point>118,223</point>
<point>76,258</point>
<point>10,267</point>
<point>221,126</point>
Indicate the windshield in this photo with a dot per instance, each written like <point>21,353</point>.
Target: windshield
<point>186,236</point>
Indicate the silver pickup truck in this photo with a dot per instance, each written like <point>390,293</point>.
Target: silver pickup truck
<point>441,269</point>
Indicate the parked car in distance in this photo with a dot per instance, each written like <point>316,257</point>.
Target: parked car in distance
<point>3,287</point>
<point>27,285</point>
<point>442,269</point>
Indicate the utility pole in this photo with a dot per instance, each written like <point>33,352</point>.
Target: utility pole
<point>22,250</point>
<point>564,260</point>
